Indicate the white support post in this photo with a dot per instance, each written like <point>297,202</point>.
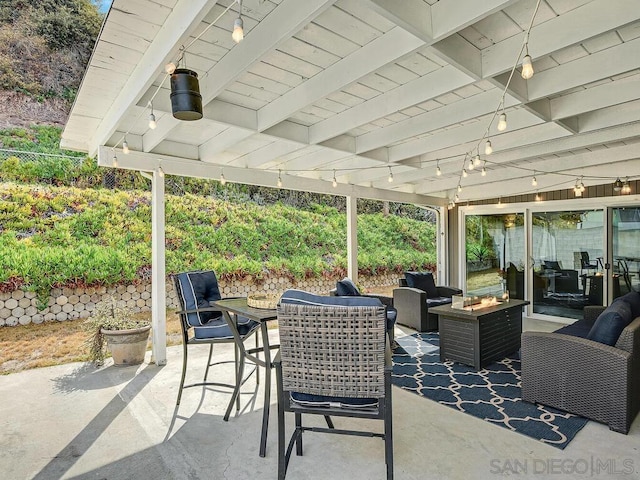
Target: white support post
<point>442,249</point>
<point>352,238</point>
<point>158,287</point>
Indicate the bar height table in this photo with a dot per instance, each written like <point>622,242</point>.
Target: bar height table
<point>239,307</point>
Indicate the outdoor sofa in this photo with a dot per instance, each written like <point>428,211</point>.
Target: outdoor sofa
<point>418,292</point>
<point>590,368</point>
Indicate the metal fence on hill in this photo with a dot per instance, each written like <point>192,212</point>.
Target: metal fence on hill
<point>35,156</point>
<point>56,169</point>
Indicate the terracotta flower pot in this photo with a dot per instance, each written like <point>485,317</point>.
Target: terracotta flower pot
<point>127,347</point>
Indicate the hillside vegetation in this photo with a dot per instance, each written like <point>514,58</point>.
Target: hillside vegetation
<point>45,46</point>
<point>65,236</point>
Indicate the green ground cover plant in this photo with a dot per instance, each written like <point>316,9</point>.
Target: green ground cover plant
<point>64,221</point>
<point>53,236</point>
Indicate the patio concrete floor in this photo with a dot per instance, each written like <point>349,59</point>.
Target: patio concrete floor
<point>78,422</point>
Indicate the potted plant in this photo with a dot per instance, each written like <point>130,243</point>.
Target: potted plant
<point>115,325</point>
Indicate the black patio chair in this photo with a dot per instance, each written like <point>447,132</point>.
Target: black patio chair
<point>586,263</point>
<point>205,325</point>
<point>623,267</point>
<point>334,360</point>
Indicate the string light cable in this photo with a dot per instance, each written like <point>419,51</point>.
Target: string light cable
<point>500,106</point>
<point>473,160</point>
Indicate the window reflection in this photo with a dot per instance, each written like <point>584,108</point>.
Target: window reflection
<point>626,250</point>
<point>568,270</point>
<point>495,254</point>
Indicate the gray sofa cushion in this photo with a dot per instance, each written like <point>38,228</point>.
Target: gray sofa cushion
<point>610,323</point>
<point>422,281</point>
<point>580,329</point>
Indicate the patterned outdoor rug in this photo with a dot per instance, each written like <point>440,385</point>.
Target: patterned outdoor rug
<point>492,394</point>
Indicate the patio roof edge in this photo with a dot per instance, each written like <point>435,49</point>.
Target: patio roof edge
<point>171,165</point>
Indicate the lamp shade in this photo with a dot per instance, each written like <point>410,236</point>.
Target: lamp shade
<point>186,101</point>
<point>617,185</point>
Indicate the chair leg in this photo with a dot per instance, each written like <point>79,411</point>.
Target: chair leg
<point>388,438</point>
<point>298,417</point>
<point>388,451</point>
<point>235,397</point>
<point>239,375</point>
<point>184,372</point>
<point>257,356</point>
<point>282,448</point>
<point>206,372</point>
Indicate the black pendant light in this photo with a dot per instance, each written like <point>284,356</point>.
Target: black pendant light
<point>186,101</point>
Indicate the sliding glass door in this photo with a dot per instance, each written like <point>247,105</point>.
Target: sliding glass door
<point>495,254</point>
<point>625,238</point>
<point>559,260</point>
<point>568,261</point>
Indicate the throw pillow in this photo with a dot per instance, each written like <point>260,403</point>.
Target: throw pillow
<point>633,299</point>
<point>197,289</point>
<point>609,325</point>
<point>422,281</point>
<point>346,288</point>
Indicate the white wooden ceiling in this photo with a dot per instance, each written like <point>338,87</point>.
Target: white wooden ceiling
<point>349,88</point>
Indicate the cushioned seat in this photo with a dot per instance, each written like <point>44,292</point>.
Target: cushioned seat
<point>327,401</point>
<point>580,329</point>
<point>434,302</point>
<point>203,324</point>
<point>196,290</point>
<point>301,297</point>
<point>218,328</point>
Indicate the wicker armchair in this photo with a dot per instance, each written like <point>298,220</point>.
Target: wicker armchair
<point>412,305</point>
<point>334,360</point>
<point>584,377</point>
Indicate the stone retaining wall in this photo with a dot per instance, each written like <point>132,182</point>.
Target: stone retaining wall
<point>21,308</point>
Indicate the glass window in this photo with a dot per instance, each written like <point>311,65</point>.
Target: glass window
<point>568,268</point>
<point>495,254</point>
<point>626,250</point>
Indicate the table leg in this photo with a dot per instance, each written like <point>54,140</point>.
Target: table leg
<point>267,388</point>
